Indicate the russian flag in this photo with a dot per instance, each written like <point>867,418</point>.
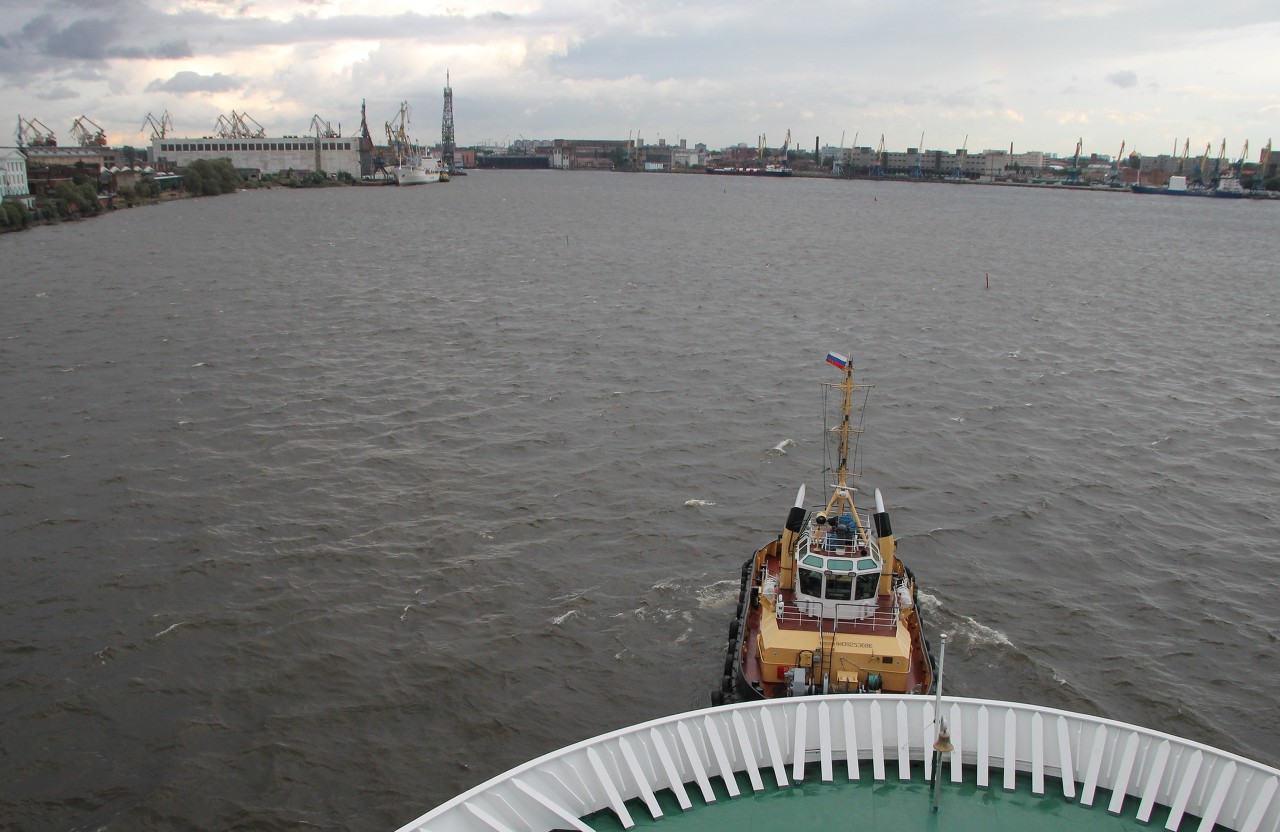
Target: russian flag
<point>837,360</point>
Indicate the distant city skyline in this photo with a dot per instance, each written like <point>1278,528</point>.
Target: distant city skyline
<point>1038,74</point>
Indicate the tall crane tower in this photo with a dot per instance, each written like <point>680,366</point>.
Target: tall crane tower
<point>916,172</point>
<point>366,147</point>
<point>879,171</point>
<point>958,173</point>
<point>1263,159</point>
<point>447,146</point>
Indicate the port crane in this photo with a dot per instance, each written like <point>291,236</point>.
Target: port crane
<point>879,171</point>
<point>916,172</point>
<point>1244,154</point>
<point>1115,167</point>
<point>1203,173</point>
<point>33,133</point>
<point>961,156</point>
<point>398,137</point>
<point>160,128</point>
<point>1217,165</point>
<point>786,144</point>
<point>80,130</point>
<point>1263,159</point>
<point>323,130</point>
<point>1073,175</point>
<point>1186,149</point>
<point>237,126</point>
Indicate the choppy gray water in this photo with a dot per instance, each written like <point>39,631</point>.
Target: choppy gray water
<point>320,507</point>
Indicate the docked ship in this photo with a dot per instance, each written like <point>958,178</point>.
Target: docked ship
<point>763,170</point>
<point>1228,187</point>
<point>417,169</point>
<point>827,606</point>
<point>413,164</point>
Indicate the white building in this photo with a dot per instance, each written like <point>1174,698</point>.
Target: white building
<point>266,154</point>
<point>13,177</point>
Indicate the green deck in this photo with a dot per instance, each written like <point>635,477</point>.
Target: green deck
<point>885,806</point>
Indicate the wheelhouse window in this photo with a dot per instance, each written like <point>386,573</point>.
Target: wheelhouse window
<point>811,582</point>
<point>839,587</point>
<point>867,585</point>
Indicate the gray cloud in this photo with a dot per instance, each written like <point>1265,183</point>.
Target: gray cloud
<point>1124,79</point>
<point>164,51</point>
<point>58,93</point>
<point>186,81</point>
<point>84,39</point>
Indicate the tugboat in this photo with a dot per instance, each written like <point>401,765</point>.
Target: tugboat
<point>827,606</point>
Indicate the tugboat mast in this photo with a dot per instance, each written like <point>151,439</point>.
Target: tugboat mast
<point>842,493</point>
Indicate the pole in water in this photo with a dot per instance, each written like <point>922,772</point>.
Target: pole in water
<point>942,745</point>
<point>988,280</point>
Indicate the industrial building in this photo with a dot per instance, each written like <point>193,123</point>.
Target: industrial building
<point>271,155</point>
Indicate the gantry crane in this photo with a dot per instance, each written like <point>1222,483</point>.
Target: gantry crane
<point>916,172</point>
<point>1186,150</point>
<point>1217,166</point>
<point>961,156</point>
<point>1264,158</point>
<point>879,171</point>
<point>1244,154</point>
<point>96,137</point>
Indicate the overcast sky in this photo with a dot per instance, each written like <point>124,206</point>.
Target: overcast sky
<point>1035,73</point>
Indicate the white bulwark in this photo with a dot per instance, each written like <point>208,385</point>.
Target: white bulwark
<point>13,177</point>
<point>1069,758</point>
<point>266,154</point>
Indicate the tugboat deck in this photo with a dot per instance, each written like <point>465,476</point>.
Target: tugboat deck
<point>884,623</point>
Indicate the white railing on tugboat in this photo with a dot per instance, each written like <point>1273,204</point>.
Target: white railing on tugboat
<point>801,738</point>
<point>802,612</point>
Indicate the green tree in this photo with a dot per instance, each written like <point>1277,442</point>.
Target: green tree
<point>210,177</point>
<point>79,199</point>
<point>130,155</point>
